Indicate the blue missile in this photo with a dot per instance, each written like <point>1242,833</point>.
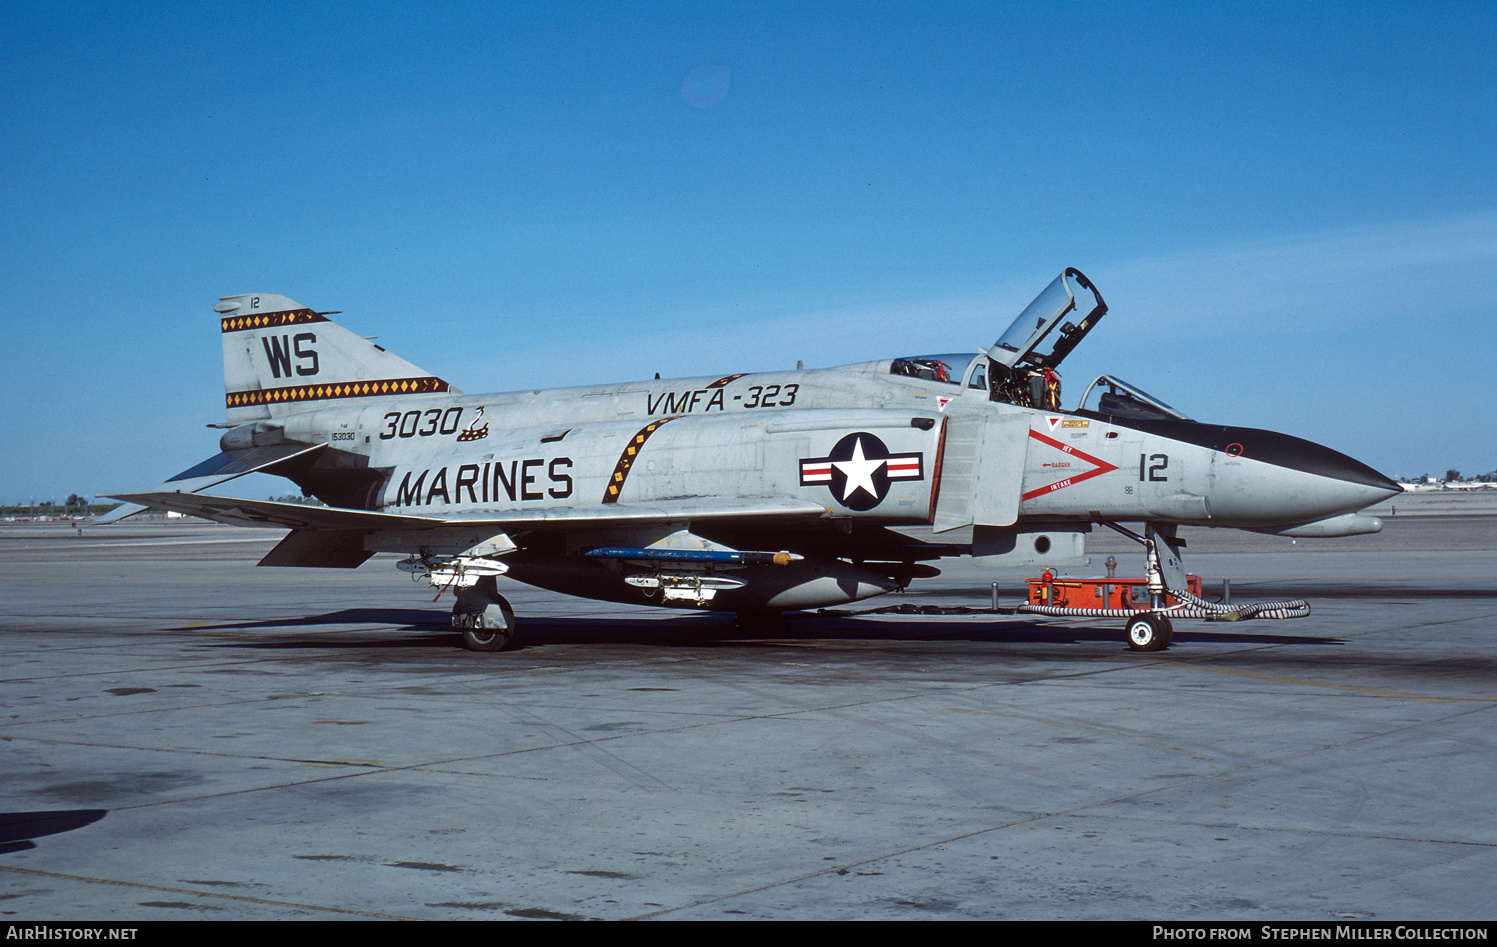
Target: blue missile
<point>693,555</point>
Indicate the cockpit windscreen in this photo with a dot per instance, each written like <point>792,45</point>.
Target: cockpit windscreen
<point>1117,398</point>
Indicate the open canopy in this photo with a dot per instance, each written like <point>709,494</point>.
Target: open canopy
<point>1019,345</point>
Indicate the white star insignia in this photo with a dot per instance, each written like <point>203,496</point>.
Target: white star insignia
<point>859,471</point>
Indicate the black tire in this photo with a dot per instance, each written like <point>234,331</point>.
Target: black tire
<point>487,639</point>
<point>1149,632</point>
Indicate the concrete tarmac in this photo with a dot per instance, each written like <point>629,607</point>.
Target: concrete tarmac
<point>185,736</point>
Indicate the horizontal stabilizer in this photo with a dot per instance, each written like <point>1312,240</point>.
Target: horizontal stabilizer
<point>238,512</point>
<point>120,512</point>
<point>226,466</point>
<point>220,468</point>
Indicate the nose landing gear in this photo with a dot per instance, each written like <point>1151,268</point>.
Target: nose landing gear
<point>1172,594</point>
<point>1149,632</point>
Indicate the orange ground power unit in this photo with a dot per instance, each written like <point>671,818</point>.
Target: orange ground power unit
<point>1072,591</point>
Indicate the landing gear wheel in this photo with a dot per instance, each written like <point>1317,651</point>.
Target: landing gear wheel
<point>1149,633</point>
<point>491,628</point>
<point>488,639</point>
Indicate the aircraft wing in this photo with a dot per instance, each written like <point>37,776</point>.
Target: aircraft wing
<point>649,511</point>
<point>240,512</point>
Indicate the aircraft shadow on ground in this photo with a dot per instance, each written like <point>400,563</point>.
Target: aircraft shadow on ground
<point>410,617</point>
<point>705,630</point>
<point>17,829</point>
<point>1244,592</point>
<point>1396,590</point>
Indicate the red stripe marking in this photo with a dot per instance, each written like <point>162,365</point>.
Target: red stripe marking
<point>935,474</point>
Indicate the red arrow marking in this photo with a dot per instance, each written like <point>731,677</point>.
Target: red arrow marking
<point>1102,466</point>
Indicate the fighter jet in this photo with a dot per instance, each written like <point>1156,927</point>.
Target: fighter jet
<point>752,493</point>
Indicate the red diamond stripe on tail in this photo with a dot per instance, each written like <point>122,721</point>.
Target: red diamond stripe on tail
<point>293,393</point>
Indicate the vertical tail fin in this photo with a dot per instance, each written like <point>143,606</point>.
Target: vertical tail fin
<point>281,357</point>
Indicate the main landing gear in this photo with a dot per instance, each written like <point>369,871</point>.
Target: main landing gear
<point>484,617</point>
<point>480,613</point>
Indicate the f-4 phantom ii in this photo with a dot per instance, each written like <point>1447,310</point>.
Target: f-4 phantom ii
<point>749,493</point>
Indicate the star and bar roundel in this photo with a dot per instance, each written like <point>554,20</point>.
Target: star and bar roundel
<point>860,469</point>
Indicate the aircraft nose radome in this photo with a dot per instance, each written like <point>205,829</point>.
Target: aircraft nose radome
<point>1350,495</point>
<point>1359,483</point>
<point>1267,478</point>
<point>1370,489</point>
<point>1316,481</point>
<point>1280,450</point>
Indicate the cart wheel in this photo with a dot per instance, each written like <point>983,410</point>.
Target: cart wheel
<point>1149,633</point>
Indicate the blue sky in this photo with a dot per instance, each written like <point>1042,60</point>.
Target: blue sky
<point>1291,208</point>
